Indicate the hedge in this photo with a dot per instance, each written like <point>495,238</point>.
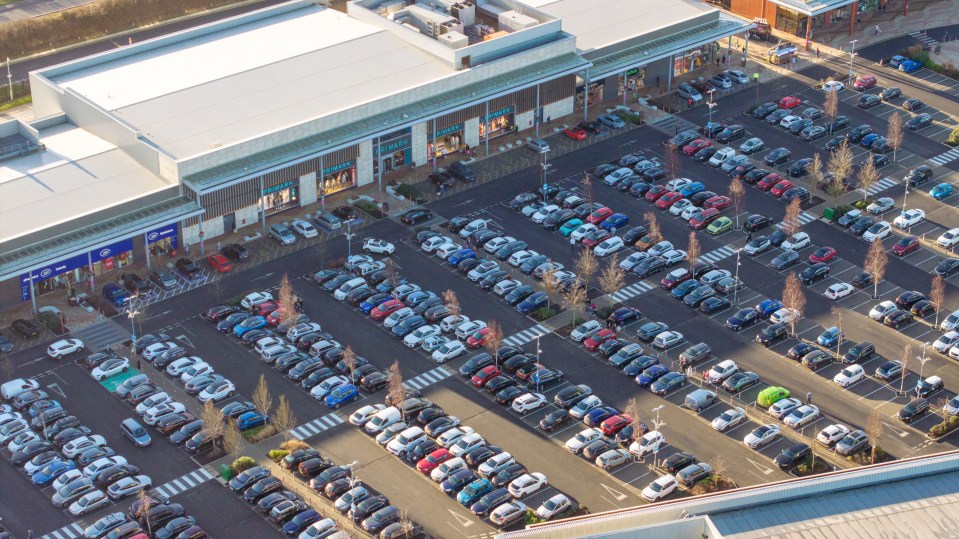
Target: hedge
<point>409,191</point>
<point>242,464</point>
<point>544,313</point>
<point>276,455</point>
<point>953,139</point>
<point>947,426</point>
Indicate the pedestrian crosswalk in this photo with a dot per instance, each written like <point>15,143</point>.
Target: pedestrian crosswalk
<point>927,41</point>
<point>718,254</point>
<point>946,157</point>
<point>184,482</point>
<point>803,219</point>
<point>428,378</point>
<point>69,531</point>
<point>316,426</point>
<point>526,335</point>
<point>880,186</point>
<point>102,335</point>
<point>630,291</point>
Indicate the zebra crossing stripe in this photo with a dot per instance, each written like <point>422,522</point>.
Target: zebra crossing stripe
<point>804,218</point>
<point>316,426</point>
<point>881,185</point>
<point>630,291</point>
<point>946,157</point>
<point>718,254</point>
<point>526,336</point>
<point>427,378</point>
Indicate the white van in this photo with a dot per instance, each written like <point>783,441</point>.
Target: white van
<point>348,287</point>
<point>472,228</point>
<point>383,419</point>
<point>13,388</point>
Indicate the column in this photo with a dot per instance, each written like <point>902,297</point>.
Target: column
<point>808,31</point>
<point>364,163</point>
<point>33,295</point>
<point>262,210</point>
<point>146,250</point>
<point>729,51</point>
<point>536,113</point>
<point>418,142</point>
<point>586,95</point>
<point>307,183</point>
<point>433,157</point>
<point>624,88</point>
<point>379,164</point>
<point>471,133</point>
<point>852,17</point>
<point>486,127</point>
<point>669,73</point>
<point>321,187</point>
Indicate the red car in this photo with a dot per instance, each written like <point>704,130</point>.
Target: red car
<point>703,219</point>
<point>575,133</point>
<point>599,215</point>
<point>789,102</point>
<point>906,246</point>
<point>668,200</point>
<point>720,202</point>
<point>386,308</point>
<point>671,282</point>
<point>478,339</point>
<point>768,181</point>
<point>273,319</point>
<point>265,308</point>
<point>599,338</point>
<point>614,424</point>
<point>485,375</point>
<point>590,241</point>
<point>655,192</point>
<point>220,263</point>
<point>430,462</point>
<point>696,145</point>
<point>864,82</point>
<point>823,254</point>
<point>781,187</point>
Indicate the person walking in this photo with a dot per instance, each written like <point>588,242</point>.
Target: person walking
<point>817,52</point>
<point>809,398</point>
<point>749,236</point>
<point>572,244</point>
<point>877,30</point>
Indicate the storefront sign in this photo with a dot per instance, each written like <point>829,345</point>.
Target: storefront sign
<point>632,72</point>
<point>111,251</point>
<point>449,130</point>
<point>394,146</point>
<point>50,271</point>
<point>337,168</point>
<point>163,233</point>
<point>285,185</point>
<point>497,113</point>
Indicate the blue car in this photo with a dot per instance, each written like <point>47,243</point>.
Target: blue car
<point>625,315</point>
<point>909,66</point>
<point>616,220</point>
<point>463,254</point>
<point>650,375</point>
<point>251,323</point>
<point>250,420</point>
<point>896,61</point>
<point>532,303</point>
<point>637,366</point>
<point>341,395</point>
<point>474,491</point>
<point>41,406</point>
<point>830,337</point>
<point>389,285</point>
<point>941,191</point>
<point>869,139</point>
<point>51,471</point>
<point>373,301</point>
<point>300,522</point>
<point>767,307</point>
<point>598,415</point>
<point>668,383</point>
<point>692,189</point>
<point>115,294</point>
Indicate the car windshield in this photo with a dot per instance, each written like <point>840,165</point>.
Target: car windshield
<point>728,415</point>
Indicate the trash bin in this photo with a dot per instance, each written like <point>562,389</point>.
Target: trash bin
<point>829,213</point>
<point>226,472</point>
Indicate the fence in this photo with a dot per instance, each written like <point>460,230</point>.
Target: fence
<point>21,88</point>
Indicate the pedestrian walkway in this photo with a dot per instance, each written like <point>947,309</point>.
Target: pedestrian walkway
<point>527,335</point>
<point>880,186</point>
<point>67,532</point>
<point>316,426</point>
<point>184,483</point>
<point>804,218</point>
<point>927,41</point>
<point>671,124</point>
<point>718,254</point>
<point>630,291</point>
<point>102,335</point>
<point>946,157</point>
<point>428,378</point>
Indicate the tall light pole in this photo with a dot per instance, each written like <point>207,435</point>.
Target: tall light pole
<point>922,361</point>
<point>905,194</point>
<point>353,482</point>
<point>657,424</point>
<point>852,53</point>
<point>132,314</point>
<point>736,284</point>
<point>545,167</point>
<point>538,364</point>
<point>9,79</point>
<point>349,237</point>
<point>711,105</point>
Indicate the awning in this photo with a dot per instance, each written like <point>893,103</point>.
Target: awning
<point>812,7</point>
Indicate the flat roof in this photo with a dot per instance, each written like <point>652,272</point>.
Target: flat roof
<point>214,90</point>
<point>590,20</point>
<point>77,174</point>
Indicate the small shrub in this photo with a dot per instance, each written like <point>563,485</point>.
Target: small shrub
<point>369,208</point>
<point>842,210</point>
<point>941,429</point>
<point>544,313</point>
<point>953,139</point>
<point>532,517</point>
<point>276,455</point>
<point>49,321</point>
<point>258,434</point>
<point>294,445</point>
<point>629,116</point>
<point>242,464</point>
<point>409,191</point>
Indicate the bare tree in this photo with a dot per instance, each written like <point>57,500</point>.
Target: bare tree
<point>737,193</point>
<point>284,420</point>
<point>261,396</point>
<point>349,358</point>
<point>831,107</point>
<point>904,359</point>
<point>633,411</point>
<point>840,162</point>
<point>586,266</point>
<point>874,430</point>
<point>390,269</point>
<point>693,250</point>
<point>867,176</point>
<point>795,299</point>
<point>144,503</point>
<point>213,424</point>
<point>876,261</point>
<point>575,298</point>
<point>613,276</point>
<point>233,440</point>
<point>652,225</point>
<point>673,162</point>
<point>452,302</point>
<point>395,387</point>
<point>494,339</point>
<point>937,295</point>
<point>550,284</point>
<point>791,219</point>
<point>894,134</point>
<point>588,188</point>
<point>837,312</point>
<point>287,301</point>
<point>816,172</point>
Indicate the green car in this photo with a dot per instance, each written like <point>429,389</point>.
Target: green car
<point>570,226</point>
<point>723,224</point>
<point>771,395</point>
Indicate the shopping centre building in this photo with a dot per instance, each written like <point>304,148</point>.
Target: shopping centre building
<point>155,146</point>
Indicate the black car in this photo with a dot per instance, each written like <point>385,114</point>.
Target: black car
<point>755,175</point>
<point>683,138</point>
<point>798,127</point>
<point>416,215</point>
<point>862,279</point>
<point>909,298</point>
<point>859,353</point>
<point>835,142</point>
<point>861,225</point>
<point>919,175</point>
<point>890,93</point>
<point>764,110</point>
<point>462,171</point>
<point>523,199</point>
<point>868,101</point>
<point>188,267</point>
<point>731,133</point>
<point>26,328</point>
<point>505,476</point>
<point>235,252</point>
<point>474,364</point>
<point>857,133</point>
<point>817,359</point>
<point>261,488</point>
<point>913,410</point>
<point>711,129</point>
<point>918,122</point>
<point>134,283</point>
<point>554,419</point>
<point>246,479</point>
<point>756,222</point>
<point>777,115</point>
<point>792,456</point>
<point>897,318</point>
<point>742,319</point>
<point>799,168</point>
<point>947,267</point>
<point>544,378</point>
<point>913,104</point>
<point>815,272</point>
<point>678,461</point>
<point>568,397</point>
<point>840,123</point>
<point>704,154</point>
<point>799,350</point>
<point>108,476</point>
<point>346,213</point>
<point>498,384</point>
<point>772,333</point>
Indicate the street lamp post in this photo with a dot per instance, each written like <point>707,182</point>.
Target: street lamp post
<point>657,424</point>
<point>711,105</point>
<point>852,53</point>
<point>545,167</point>
<point>922,361</point>
<point>132,314</point>
<point>538,364</point>
<point>349,237</point>
<point>736,284</point>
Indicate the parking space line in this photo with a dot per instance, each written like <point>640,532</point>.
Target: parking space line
<point>316,426</point>
<point>429,377</point>
<point>527,335</point>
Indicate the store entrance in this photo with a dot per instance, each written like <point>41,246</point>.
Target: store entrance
<point>278,201</point>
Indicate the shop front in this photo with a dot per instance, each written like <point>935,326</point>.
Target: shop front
<point>279,197</point>
<point>112,257</point>
<point>336,178</point>
<point>791,22</point>
<point>446,140</point>
<point>632,81</point>
<point>64,275</point>
<point>691,60</point>
<point>498,122</point>
<point>393,151</point>
<point>163,240</point>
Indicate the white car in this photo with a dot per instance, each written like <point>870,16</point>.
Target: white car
<point>181,365</point>
<point>673,256</point>
<point>450,437</point>
<point>518,258</point>
<point>264,343</point>
<point>667,339</point>
<point>155,350</point>
<point>729,419</point>
<point>849,376</point>
<point>609,246</point>
<point>947,341</point>
<point>467,443</point>
<point>380,247</point>
<point>585,406</point>
<point>64,347</point>
<point>21,440</point>
<point>103,463</point>
<point>153,400</point>
<point>431,244</point>
<point>356,260</point>
<point>839,290</point>
<point>650,443</point>
<point>784,315</point>
<point>155,414</point>
<point>390,432</point>
<point>952,407</point>
<point>909,218</point>
<point>364,414</point>
<point>630,261</point>
<point>304,228</point>
<point>680,206</point>
<point>784,407</point>
<point>65,478</point>
<point>529,402</point>
<point>217,391</point>
<point>129,486</point>
<point>949,238</point>
<point>832,434</point>
<point>690,211</point>
<point>506,286</point>
<point>721,156</point>
<point>404,440</point>
<point>450,350</point>
<point>796,242</point>
<point>415,338</point>
<point>583,231</point>
<point>110,368</point>
<point>464,330</point>
<point>322,389</point>
<point>880,311</point>
<point>81,444</point>
<point>322,528</point>
<point>802,416</point>
<point>761,436</point>
<point>877,231</point>
<point>615,176</point>
<point>495,463</point>
<point>544,212</point>
<point>450,322</point>
<point>678,183</point>
<point>833,86</point>
<point>659,489</point>
<point>554,506</point>
<point>482,270</point>
<point>200,369</point>
<point>507,513</point>
<point>397,317</point>
<point>882,204</point>
<point>532,208</point>
<point>585,330</point>
<point>954,352</point>
<point>255,298</point>
<point>720,372</point>
<point>91,501</point>
<point>581,440</point>
<point>788,121</point>
<point>494,244</point>
<point>527,484</point>
<point>13,429</point>
<point>660,248</point>
<point>445,250</point>
<point>757,246</point>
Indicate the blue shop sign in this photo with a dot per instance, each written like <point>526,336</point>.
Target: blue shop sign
<point>109,251</point>
<point>497,113</point>
<point>162,233</point>
<point>449,130</point>
<point>337,168</point>
<point>394,146</point>
<point>285,185</point>
<point>49,271</point>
